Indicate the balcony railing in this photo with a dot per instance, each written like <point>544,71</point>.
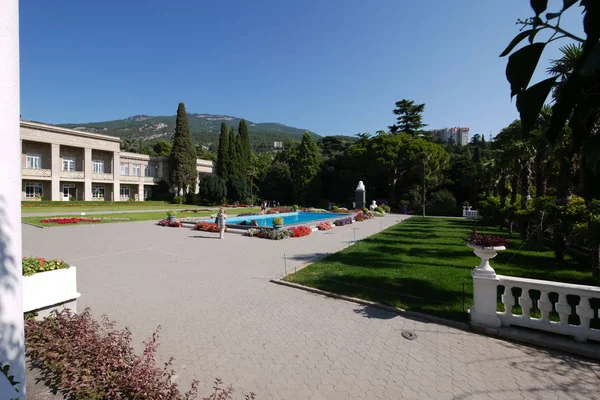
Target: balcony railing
<point>139,179</point>
<point>102,177</point>
<point>36,172</point>
<point>72,174</point>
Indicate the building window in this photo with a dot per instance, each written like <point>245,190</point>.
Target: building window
<point>33,190</point>
<point>68,163</point>
<point>125,192</point>
<point>125,169</point>
<point>136,169</point>
<point>149,170</point>
<point>98,166</point>
<point>147,193</point>
<point>34,161</point>
<point>98,191</point>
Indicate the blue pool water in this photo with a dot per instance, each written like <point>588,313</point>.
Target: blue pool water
<point>294,218</point>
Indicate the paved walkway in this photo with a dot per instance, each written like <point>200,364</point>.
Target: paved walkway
<point>221,317</point>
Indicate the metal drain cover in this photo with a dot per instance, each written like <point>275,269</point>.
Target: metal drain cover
<point>408,335</point>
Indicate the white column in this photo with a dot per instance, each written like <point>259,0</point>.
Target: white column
<point>12,349</point>
<point>56,168</point>
<point>87,168</point>
<point>117,175</point>
<point>141,192</point>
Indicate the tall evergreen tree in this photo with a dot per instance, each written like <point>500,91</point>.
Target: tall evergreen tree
<point>233,156</point>
<point>223,153</point>
<point>240,167</point>
<point>306,166</point>
<point>182,160</point>
<point>409,117</point>
<point>244,145</point>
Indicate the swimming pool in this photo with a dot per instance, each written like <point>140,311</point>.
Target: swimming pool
<point>294,218</point>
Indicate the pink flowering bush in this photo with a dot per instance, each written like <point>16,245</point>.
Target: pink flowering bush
<point>173,224</point>
<point>324,226</point>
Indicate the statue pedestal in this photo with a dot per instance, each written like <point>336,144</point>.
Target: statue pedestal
<point>361,199</point>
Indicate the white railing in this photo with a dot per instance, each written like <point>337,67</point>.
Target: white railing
<point>545,305</point>
<point>468,213</point>
<point>102,177</point>
<point>130,178</point>
<point>72,174</point>
<point>36,172</point>
<point>149,179</point>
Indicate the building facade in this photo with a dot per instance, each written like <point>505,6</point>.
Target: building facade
<point>460,135</point>
<point>62,164</point>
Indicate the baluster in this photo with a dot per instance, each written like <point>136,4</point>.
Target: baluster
<point>525,302</point>
<point>508,300</point>
<point>563,309</point>
<point>586,314</point>
<point>545,306</point>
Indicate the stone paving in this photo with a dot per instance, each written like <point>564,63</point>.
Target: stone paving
<point>221,317</point>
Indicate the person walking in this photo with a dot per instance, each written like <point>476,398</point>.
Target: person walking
<point>221,222</point>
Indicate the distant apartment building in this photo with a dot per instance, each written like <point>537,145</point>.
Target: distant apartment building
<point>278,145</point>
<point>460,135</point>
<point>64,164</point>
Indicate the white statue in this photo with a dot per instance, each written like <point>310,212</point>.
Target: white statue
<point>373,205</point>
<point>361,186</point>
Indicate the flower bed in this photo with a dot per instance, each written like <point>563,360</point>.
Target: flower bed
<point>363,216</point>
<point>247,214</point>
<point>207,227</point>
<point>33,265</point>
<point>280,210</point>
<point>299,231</point>
<point>173,224</point>
<point>89,359</point>
<point>324,226</point>
<point>68,220</point>
<point>343,221</point>
<point>273,234</point>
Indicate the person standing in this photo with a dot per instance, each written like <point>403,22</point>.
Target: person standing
<point>221,222</point>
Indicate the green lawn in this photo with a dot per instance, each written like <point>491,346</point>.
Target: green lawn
<point>80,206</point>
<point>421,264</point>
<point>142,216</point>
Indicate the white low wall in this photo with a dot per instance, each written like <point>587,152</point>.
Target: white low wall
<point>49,288</point>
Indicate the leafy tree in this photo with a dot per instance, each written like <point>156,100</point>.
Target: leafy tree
<point>182,160</point>
<point>238,190</point>
<point>277,184</point>
<point>162,148</point>
<point>409,118</point>
<point>223,153</point>
<point>212,190</point>
<point>306,166</point>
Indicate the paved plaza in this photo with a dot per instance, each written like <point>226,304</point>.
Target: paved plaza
<point>221,317</point>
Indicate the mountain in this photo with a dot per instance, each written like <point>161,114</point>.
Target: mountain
<point>205,128</point>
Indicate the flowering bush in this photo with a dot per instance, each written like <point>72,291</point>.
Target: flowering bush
<point>252,232</point>
<point>207,227</point>
<point>324,226</point>
<point>173,224</point>
<point>33,265</point>
<point>362,216</point>
<point>67,220</point>
<point>343,221</point>
<point>273,234</point>
<point>478,239</point>
<point>87,359</point>
<point>299,231</point>
<point>247,214</point>
<point>280,210</point>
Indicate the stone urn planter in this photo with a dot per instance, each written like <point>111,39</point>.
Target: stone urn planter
<point>485,254</point>
<point>277,223</point>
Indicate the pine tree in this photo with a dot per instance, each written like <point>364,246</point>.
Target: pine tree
<point>233,156</point>
<point>223,153</point>
<point>182,160</point>
<point>244,145</point>
<point>307,165</point>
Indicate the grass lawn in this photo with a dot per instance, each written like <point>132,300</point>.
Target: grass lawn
<point>80,206</point>
<point>421,264</point>
<point>142,216</point>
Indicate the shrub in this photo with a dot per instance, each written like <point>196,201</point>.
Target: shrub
<point>299,231</point>
<point>87,359</point>
<point>212,189</point>
<point>295,207</point>
<point>362,216</point>
<point>238,189</point>
<point>343,221</point>
<point>273,234</point>
<point>172,224</point>
<point>442,202</point>
<point>33,265</point>
<point>277,221</point>
<point>324,226</point>
<point>171,213</point>
<point>379,209</point>
<point>334,208</point>
<point>67,221</point>
<point>178,200</point>
<point>365,210</point>
<point>386,208</point>
<point>207,227</point>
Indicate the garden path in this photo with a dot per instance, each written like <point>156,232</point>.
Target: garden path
<point>221,317</point>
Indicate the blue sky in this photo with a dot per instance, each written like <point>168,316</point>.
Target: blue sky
<point>334,67</point>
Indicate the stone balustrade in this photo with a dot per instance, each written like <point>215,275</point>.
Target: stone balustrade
<point>102,177</point>
<point>468,213</point>
<point>36,172</point>
<point>550,297</point>
<point>72,174</point>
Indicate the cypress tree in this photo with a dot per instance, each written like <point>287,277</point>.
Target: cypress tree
<point>182,160</point>
<point>223,153</point>
<point>233,158</point>
<point>244,146</point>
<point>240,158</point>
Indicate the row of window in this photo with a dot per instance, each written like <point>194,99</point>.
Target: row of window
<point>35,190</point>
<point>34,161</point>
